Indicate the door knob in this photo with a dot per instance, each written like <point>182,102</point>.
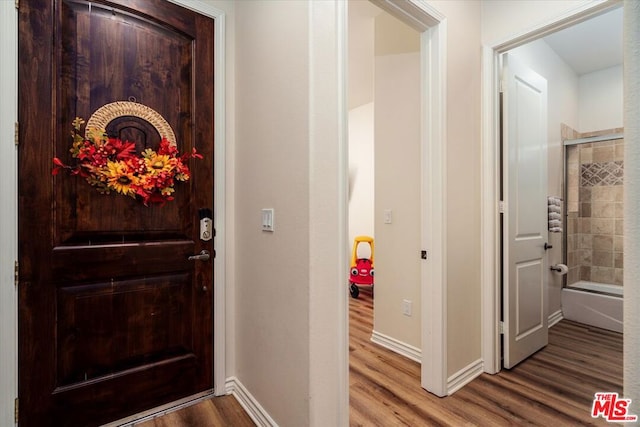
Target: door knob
<point>202,256</point>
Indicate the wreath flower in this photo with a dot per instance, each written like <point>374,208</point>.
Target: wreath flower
<point>112,165</point>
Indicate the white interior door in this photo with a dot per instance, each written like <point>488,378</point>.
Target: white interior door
<point>525,216</point>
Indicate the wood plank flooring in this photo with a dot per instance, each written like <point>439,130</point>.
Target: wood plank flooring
<point>554,387</point>
<point>224,411</point>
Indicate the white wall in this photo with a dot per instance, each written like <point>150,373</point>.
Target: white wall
<point>463,183</point>
<point>361,45</point>
<point>290,306</point>
<point>328,255</point>
<point>502,19</point>
<point>397,177</point>
<point>562,107</point>
<point>271,171</point>
<point>361,172</point>
<point>601,100</point>
<point>361,135</point>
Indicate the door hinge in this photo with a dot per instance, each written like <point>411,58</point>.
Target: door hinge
<point>501,206</point>
<point>16,273</point>
<point>501,86</point>
<point>501,328</point>
<point>18,4</point>
<point>16,411</point>
<point>16,134</point>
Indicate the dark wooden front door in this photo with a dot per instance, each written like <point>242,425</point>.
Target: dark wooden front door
<point>113,317</point>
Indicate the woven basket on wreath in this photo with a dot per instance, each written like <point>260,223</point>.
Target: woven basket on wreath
<point>108,112</point>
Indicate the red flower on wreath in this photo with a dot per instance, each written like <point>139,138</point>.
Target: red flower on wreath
<point>110,164</point>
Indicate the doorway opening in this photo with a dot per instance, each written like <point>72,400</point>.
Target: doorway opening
<point>410,118</point>
<point>384,161</point>
<point>570,85</point>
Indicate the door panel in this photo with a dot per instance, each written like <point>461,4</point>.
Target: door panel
<point>109,327</point>
<point>108,56</point>
<point>529,314</point>
<point>525,226</point>
<point>113,318</point>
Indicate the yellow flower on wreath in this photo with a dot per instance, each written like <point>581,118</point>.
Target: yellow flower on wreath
<point>121,178</point>
<point>158,163</point>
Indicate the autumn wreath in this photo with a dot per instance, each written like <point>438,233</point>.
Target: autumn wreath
<point>113,165</point>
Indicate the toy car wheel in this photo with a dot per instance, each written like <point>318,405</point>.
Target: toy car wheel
<point>353,289</point>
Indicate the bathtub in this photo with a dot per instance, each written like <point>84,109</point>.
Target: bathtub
<point>595,304</point>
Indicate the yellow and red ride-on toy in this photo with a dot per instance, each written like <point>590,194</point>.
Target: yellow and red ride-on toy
<point>361,273</point>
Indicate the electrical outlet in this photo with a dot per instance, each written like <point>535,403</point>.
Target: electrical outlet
<point>406,307</point>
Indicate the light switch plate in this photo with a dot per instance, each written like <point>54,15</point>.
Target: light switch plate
<point>267,219</point>
<point>388,216</point>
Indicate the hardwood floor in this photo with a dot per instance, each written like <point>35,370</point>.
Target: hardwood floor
<point>554,387</point>
<point>222,411</point>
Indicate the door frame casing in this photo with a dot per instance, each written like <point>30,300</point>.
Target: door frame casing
<point>8,212</point>
<point>490,216</point>
<point>432,26</point>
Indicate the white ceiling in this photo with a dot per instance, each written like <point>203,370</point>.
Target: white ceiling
<point>591,45</point>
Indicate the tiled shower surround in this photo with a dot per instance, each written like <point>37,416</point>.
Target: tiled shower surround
<point>595,210</point>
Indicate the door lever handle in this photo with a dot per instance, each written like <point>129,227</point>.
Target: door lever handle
<point>547,246</point>
<point>202,256</point>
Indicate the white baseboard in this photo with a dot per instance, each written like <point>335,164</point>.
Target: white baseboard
<point>555,318</point>
<point>249,403</point>
<point>464,376</point>
<point>397,346</point>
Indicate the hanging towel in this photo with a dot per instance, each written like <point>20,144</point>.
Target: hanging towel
<point>555,214</point>
<point>555,209</point>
